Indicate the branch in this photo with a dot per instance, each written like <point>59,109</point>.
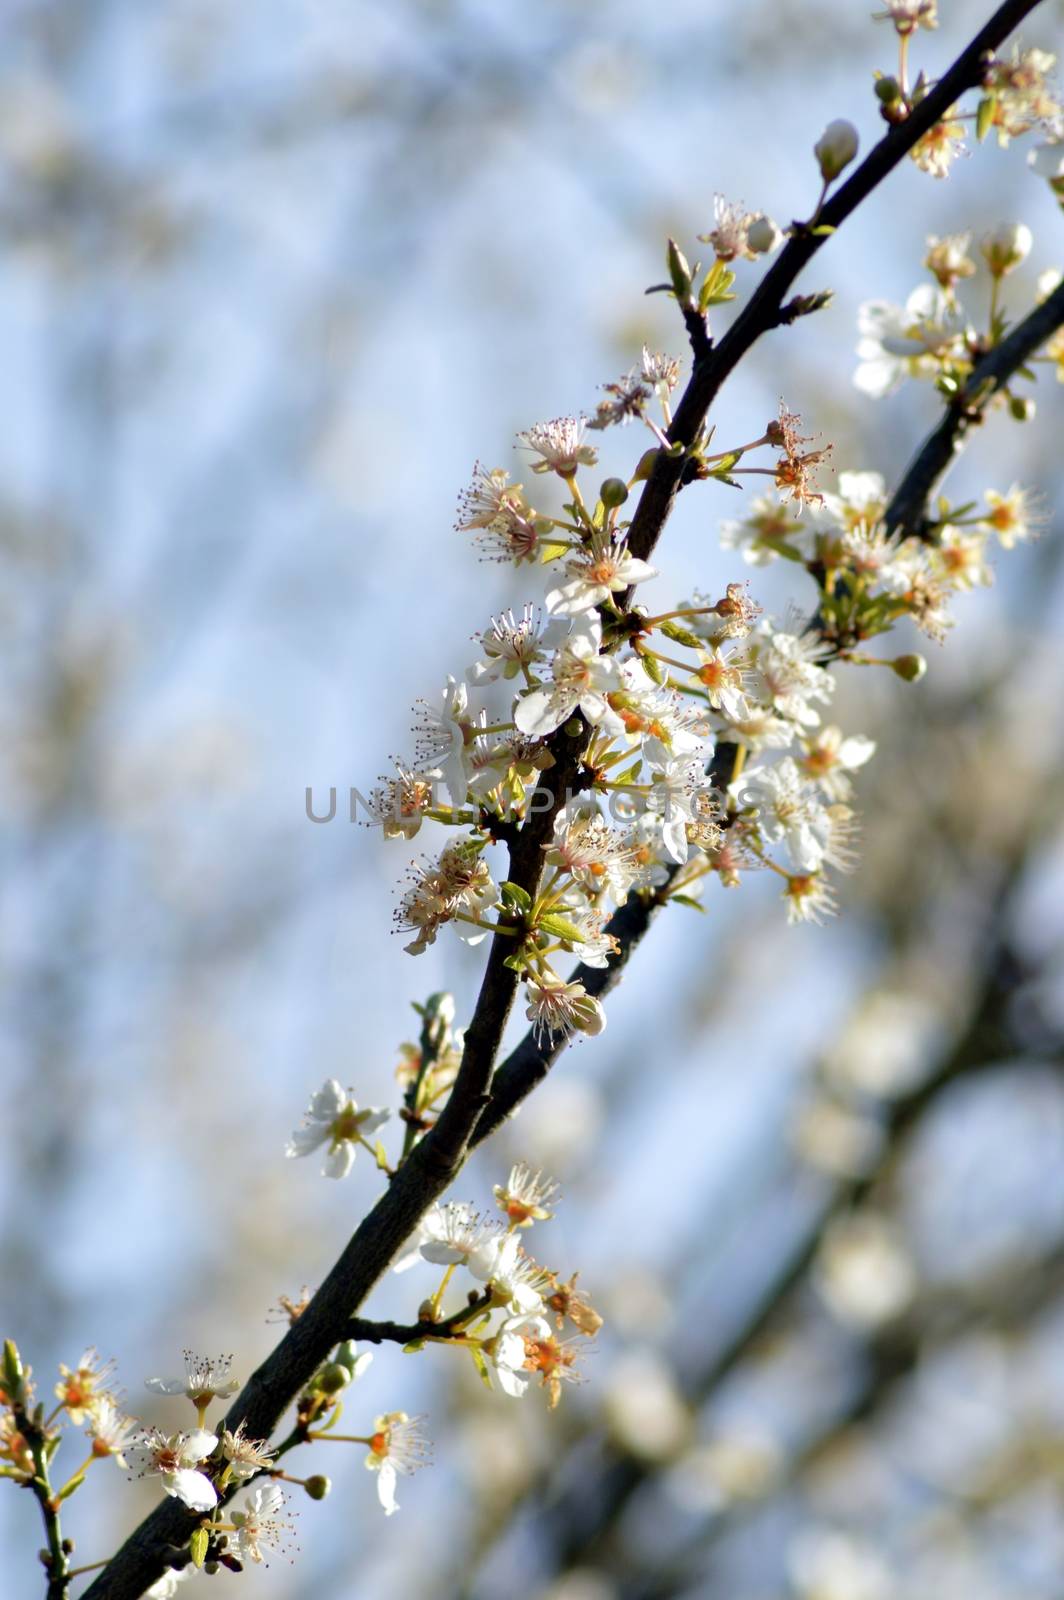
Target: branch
<point>408,1333</point>
<point>765,309</point>
<point>907,512</point>
<point>434,1162</point>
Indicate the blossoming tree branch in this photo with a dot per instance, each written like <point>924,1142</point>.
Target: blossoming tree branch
<point>619,762</point>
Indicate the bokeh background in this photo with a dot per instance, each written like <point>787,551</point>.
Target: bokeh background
<point>272,278</point>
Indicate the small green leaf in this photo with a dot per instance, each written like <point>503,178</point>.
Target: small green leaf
<point>984,116</point>
<point>68,1488</point>
<point>552,551</point>
<point>197,1546</point>
<point>560,927</point>
<point>413,1347</point>
<point>382,1156</point>
<point>481,1365</point>
<point>684,636</point>
<point>653,669</point>
<point>514,896</point>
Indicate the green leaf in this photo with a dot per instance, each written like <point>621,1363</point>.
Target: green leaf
<point>197,1546</point>
<point>684,636</point>
<point>481,1364</point>
<point>68,1488</point>
<point>413,1347</point>
<point>552,551</point>
<point>514,896</point>
<point>560,927</point>
<point>984,116</point>
<point>382,1156</point>
<point>653,669</point>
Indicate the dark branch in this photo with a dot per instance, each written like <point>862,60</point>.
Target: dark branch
<point>409,1332</point>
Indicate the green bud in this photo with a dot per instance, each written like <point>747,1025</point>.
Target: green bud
<point>614,492</point>
<point>1021,407</point>
<point>573,728</point>
<point>318,1486</point>
<point>911,668</point>
<point>347,1354</point>
<point>679,272</point>
<point>14,1373</point>
<point>332,1378</point>
<point>888,90</point>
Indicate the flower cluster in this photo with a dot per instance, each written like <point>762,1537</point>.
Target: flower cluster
<point>514,1326</point>
<point>933,336</point>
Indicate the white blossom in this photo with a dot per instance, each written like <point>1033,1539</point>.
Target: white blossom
<point>559,445</point>
<point>257,1515</point>
<point>203,1380</point>
<point>595,572</point>
<point>174,1459</point>
<point>397,1447</point>
<point>334,1120</point>
<point>582,680</point>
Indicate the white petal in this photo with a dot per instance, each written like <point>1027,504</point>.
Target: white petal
<point>386,1481</point>
<point>166,1385</point>
<point>373,1119</point>
<point>329,1101</point>
<point>198,1445</point>
<point>339,1160</point>
<point>196,1490</point>
<point>304,1140</point>
<point>540,713</point>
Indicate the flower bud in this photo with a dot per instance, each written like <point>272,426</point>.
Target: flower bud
<point>347,1355</point>
<point>679,272</point>
<point>14,1374</point>
<point>763,236</point>
<point>1021,407</point>
<point>888,90</point>
<point>614,492</point>
<point>318,1486</point>
<point>836,148</point>
<point>1006,247</point>
<point>332,1378</point>
<point>911,668</point>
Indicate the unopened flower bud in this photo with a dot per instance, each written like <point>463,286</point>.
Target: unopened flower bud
<point>347,1354</point>
<point>332,1378</point>
<point>763,236</point>
<point>1006,247</point>
<point>1021,407</point>
<point>679,272</point>
<point>14,1374</point>
<point>911,668</point>
<point>888,90</point>
<point>614,492</point>
<point>836,148</point>
<point>318,1486</point>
